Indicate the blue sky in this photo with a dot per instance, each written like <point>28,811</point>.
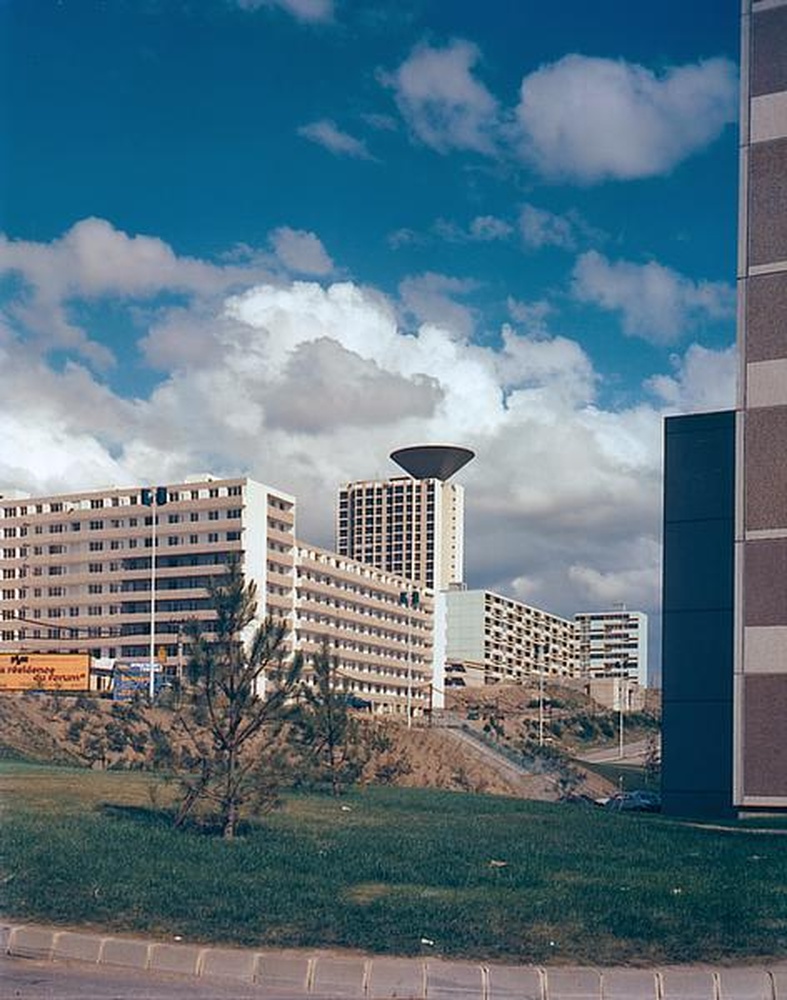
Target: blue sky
<point>282,237</point>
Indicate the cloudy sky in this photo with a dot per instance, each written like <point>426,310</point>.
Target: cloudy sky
<point>281,237</point>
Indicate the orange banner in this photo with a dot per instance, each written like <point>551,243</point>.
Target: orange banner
<point>44,671</point>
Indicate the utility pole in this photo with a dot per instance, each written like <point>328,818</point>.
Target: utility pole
<point>620,709</point>
<point>153,498</point>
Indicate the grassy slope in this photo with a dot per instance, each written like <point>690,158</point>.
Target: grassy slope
<point>383,868</point>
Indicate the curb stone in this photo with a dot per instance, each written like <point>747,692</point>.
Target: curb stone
<point>347,976</point>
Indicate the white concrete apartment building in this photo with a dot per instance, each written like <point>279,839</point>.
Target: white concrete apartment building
<point>613,643</point>
<point>409,526</point>
<point>383,645</point>
<point>77,575</point>
<point>491,638</point>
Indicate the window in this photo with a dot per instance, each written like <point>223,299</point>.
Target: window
<point>96,525</point>
<point>213,515</point>
<point>96,546</point>
<point>96,503</point>
<point>95,567</point>
<point>213,536</point>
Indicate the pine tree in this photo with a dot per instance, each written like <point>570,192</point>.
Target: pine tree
<point>233,705</point>
<point>334,746</point>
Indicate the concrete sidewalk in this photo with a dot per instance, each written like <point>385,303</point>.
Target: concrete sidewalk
<point>336,975</point>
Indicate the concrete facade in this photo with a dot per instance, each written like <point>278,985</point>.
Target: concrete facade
<point>760,693</point>
<point>498,639</point>
<point>411,527</point>
<point>77,575</point>
<point>613,643</point>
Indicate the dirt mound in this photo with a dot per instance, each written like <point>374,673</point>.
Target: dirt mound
<point>26,733</point>
<point>95,732</point>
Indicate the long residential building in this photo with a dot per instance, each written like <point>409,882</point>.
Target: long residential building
<point>77,574</point>
<point>491,639</point>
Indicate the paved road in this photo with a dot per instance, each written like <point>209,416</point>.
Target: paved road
<point>632,752</point>
<point>25,979</point>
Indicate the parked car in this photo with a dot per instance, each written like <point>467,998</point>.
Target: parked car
<point>640,800</point>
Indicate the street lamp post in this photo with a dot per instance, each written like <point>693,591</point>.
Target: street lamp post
<point>620,710</point>
<point>153,498</point>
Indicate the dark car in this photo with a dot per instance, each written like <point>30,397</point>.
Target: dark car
<point>640,800</point>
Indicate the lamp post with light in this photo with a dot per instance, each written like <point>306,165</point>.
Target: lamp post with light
<point>153,498</point>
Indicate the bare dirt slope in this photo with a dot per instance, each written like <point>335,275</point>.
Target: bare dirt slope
<point>93,732</point>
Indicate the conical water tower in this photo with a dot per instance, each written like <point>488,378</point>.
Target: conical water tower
<point>432,461</point>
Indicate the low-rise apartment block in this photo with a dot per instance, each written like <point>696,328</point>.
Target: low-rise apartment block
<point>492,639</point>
<point>613,644</point>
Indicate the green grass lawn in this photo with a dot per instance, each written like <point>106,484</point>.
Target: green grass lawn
<point>381,869</point>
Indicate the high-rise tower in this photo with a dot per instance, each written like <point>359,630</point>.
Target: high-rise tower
<point>411,525</point>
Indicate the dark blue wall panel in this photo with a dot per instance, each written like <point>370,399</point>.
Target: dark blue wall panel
<point>698,614</point>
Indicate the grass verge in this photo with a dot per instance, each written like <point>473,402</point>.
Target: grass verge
<point>385,869</point>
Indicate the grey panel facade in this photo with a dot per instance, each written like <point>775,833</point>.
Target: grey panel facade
<point>698,614</point>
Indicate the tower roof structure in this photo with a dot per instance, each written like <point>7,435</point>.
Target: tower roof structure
<point>432,461</point>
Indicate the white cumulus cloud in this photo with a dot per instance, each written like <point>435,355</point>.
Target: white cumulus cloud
<point>541,228</point>
<point>590,119</point>
<point>655,302</point>
<point>303,10</point>
<point>703,379</point>
<point>327,134</point>
<point>445,106</point>
<point>301,252</point>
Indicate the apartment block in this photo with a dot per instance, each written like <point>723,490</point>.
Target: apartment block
<point>612,644</point>
<point>366,618</point>
<point>79,569</point>
<point>492,639</point>
<point>409,526</point>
